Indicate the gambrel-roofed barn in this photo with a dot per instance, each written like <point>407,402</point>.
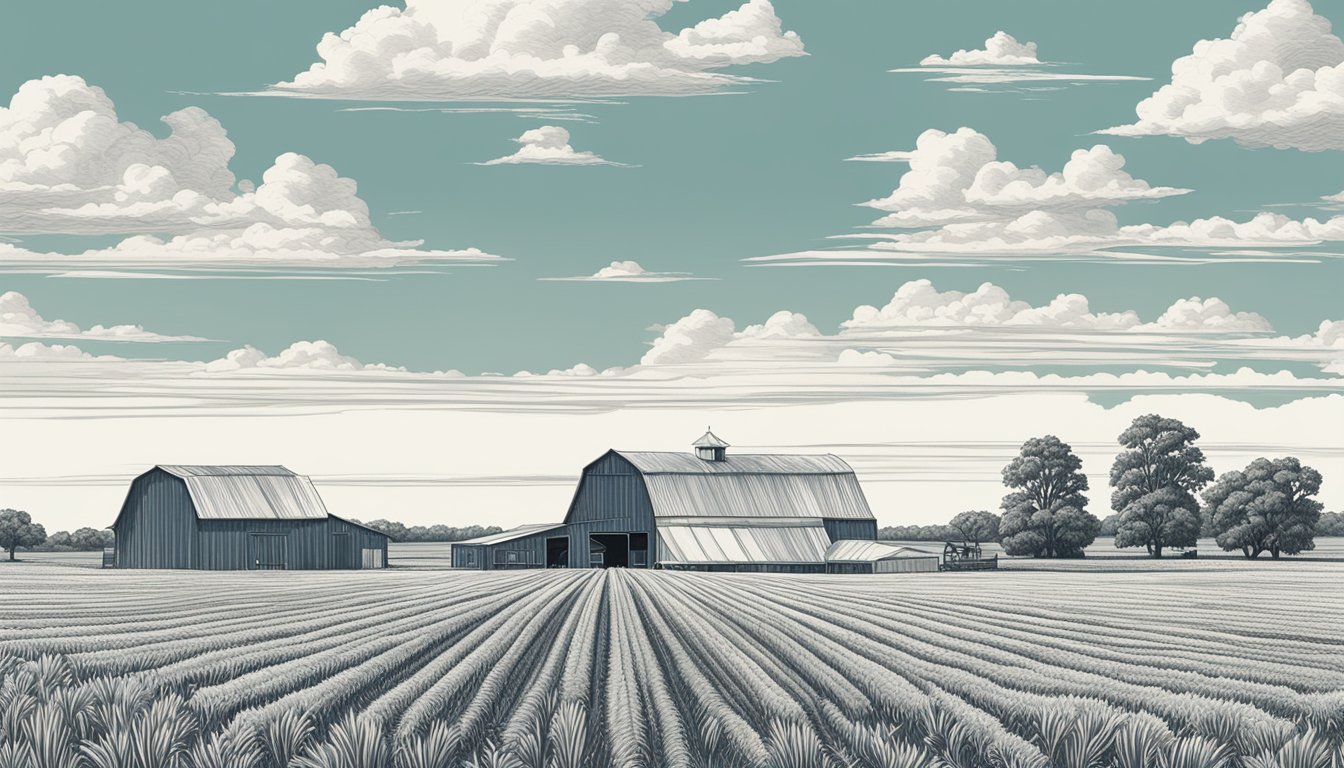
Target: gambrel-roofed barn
<point>706,511</point>
<point>237,518</point>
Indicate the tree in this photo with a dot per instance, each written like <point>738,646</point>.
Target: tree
<point>1108,525</point>
<point>1330,524</point>
<point>1155,479</point>
<point>976,527</point>
<point>17,529</point>
<point>1046,515</point>
<point>1266,507</point>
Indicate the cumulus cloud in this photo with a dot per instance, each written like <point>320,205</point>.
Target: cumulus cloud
<point>19,318</point>
<point>1004,61</point>
<point>548,145</point>
<point>1001,50</point>
<point>502,49</point>
<point>35,351</point>
<point>690,339</point>
<point>299,356</point>
<point>959,203</point>
<point>628,272</point>
<point>1278,81</point>
<point>69,165</point>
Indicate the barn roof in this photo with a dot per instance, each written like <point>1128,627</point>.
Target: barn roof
<point>760,486</point>
<point>860,551</point>
<point>511,534</point>
<point>707,544</point>
<point>240,492</point>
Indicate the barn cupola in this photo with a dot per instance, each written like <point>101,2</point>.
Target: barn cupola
<point>710,447</point>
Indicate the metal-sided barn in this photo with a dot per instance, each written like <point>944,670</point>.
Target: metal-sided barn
<point>237,518</point>
<point>705,510</point>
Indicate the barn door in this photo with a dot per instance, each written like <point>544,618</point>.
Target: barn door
<point>342,551</point>
<point>269,552</point>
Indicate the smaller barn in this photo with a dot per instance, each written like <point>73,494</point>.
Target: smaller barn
<point>527,546</point>
<point>857,556</point>
<point>237,518</point>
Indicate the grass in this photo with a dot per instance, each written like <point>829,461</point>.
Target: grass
<point>1181,663</point>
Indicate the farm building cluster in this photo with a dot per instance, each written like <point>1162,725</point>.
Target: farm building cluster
<point>703,510</point>
<point>706,510</point>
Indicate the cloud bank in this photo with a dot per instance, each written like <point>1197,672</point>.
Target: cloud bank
<point>1278,81</point>
<point>527,49</point>
<point>68,165</point>
<point>18,318</point>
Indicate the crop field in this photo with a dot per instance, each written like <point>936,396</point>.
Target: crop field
<point>1185,668</point>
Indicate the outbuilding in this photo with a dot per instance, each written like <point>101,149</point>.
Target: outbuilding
<point>237,518</point>
<point>853,556</point>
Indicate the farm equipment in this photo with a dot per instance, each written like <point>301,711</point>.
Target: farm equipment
<point>967,557</point>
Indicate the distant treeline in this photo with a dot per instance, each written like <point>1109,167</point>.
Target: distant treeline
<point>918,533</point>
<point>81,540</point>
<point>402,533</point>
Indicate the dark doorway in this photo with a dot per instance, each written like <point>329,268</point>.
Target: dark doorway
<point>639,550</point>
<point>609,550</point>
<point>557,552</point>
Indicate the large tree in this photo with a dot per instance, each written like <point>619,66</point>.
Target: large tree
<point>1267,507</point>
<point>976,527</point>
<point>17,529</point>
<point>1046,515</point>
<point>1155,479</point>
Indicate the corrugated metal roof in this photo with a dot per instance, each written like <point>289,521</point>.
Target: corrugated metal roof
<point>512,533</point>
<point>249,493</point>
<point>720,544</point>
<point>861,551</point>
<point>757,495</point>
<point>658,462</point>
<point>223,470</point>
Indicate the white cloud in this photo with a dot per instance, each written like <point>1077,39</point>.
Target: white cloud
<point>1001,50</point>
<point>690,339</point>
<point>68,165</point>
<point>502,49</point>
<point>892,156</point>
<point>35,351</point>
<point>628,272</point>
<point>1278,81</point>
<point>300,356</point>
<point>1004,61</point>
<point>968,207</point>
<point>1211,314</point>
<point>919,303</point>
<point>19,318</point>
<point>548,145</point>
<point>957,178</point>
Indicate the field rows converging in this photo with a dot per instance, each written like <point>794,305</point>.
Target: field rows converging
<point>406,668</point>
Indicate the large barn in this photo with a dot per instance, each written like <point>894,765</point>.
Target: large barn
<point>706,510</point>
<point>237,518</point>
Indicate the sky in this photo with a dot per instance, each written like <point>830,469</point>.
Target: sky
<point>669,214</point>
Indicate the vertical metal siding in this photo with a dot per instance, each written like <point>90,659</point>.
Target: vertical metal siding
<point>839,529</point>
<point>611,499</point>
<point>157,525</point>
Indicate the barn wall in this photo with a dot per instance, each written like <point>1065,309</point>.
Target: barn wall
<point>837,529</point>
<point>309,544</point>
<point>907,565</point>
<point>360,537</point>
<point>611,499</point>
<point>157,524</point>
<point>527,552</point>
<point>469,556</point>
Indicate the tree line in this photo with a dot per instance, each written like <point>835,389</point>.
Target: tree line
<point>432,533</point>
<point>1157,481</point>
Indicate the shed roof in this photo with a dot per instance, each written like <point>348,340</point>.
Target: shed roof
<point>710,440</point>
<point>707,544</point>
<point>681,485</point>
<point>511,534</point>
<point>862,551</point>
<point>240,492</point>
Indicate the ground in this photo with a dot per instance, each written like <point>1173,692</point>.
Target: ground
<point>1040,664</point>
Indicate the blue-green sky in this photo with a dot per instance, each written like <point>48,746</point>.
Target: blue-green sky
<point>718,178</point>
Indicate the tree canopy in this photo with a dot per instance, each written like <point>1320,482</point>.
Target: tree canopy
<point>401,533</point>
<point>1046,516</point>
<point>1267,507</point>
<point>17,529</point>
<point>976,526</point>
<point>1155,479</point>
